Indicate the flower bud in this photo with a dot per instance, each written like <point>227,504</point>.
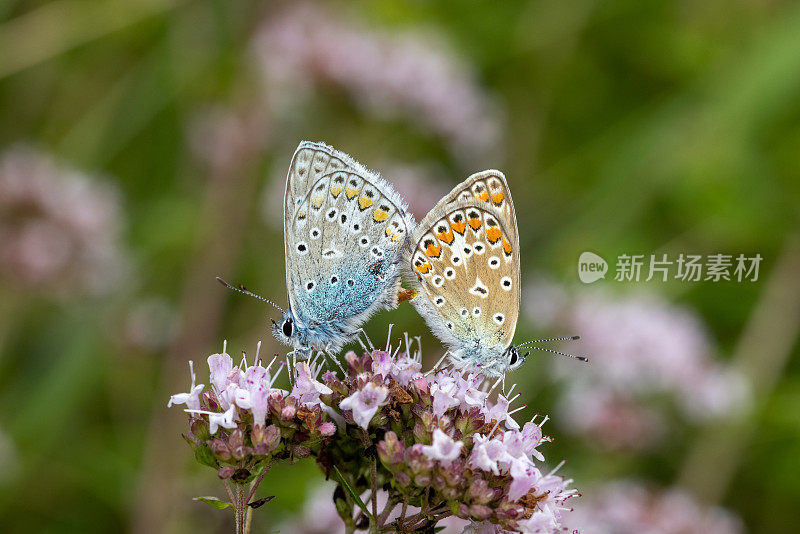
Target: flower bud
<point>451,494</point>
<point>236,439</point>
<point>288,413</point>
<point>226,472</point>
<point>199,429</point>
<point>390,450</point>
<point>422,479</point>
<point>479,491</point>
<point>220,449</point>
<point>327,429</point>
<point>301,451</point>
<point>421,386</point>
<point>480,512</point>
<point>266,439</point>
<point>402,478</point>
<point>354,365</point>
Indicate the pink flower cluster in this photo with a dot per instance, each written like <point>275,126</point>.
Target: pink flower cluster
<point>242,423</point>
<point>436,443</point>
<point>396,75</point>
<point>629,507</point>
<point>59,229</point>
<point>642,349</point>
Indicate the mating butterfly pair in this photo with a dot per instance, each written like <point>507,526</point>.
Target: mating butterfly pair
<point>348,237</point>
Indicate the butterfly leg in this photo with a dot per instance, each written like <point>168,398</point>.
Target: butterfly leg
<point>337,362</point>
<point>437,363</point>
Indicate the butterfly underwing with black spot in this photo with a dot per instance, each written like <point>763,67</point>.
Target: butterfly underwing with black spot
<point>344,232</point>
<point>465,258</point>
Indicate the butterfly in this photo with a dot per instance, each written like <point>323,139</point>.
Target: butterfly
<point>344,232</point>
<point>465,258</point>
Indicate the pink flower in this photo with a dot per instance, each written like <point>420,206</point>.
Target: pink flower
<point>221,367</point>
<point>405,370</point>
<point>486,453</point>
<point>306,388</point>
<point>444,395</point>
<point>525,478</point>
<point>216,419</point>
<point>190,399</point>
<point>259,404</point>
<point>327,428</point>
<point>443,448</point>
<point>499,412</point>
<point>541,521</point>
<point>382,363</point>
<point>531,438</point>
<point>365,403</point>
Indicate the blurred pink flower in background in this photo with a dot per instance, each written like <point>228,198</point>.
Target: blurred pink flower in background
<point>223,137</point>
<point>629,507</point>
<point>148,323</point>
<point>318,516</point>
<point>59,229</point>
<point>406,75</point>
<point>641,348</point>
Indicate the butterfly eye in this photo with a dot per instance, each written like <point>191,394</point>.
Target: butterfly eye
<point>287,328</point>
<point>514,358</point>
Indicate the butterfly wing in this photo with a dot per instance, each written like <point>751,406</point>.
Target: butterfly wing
<point>491,187</point>
<point>344,230</point>
<point>465,256</point>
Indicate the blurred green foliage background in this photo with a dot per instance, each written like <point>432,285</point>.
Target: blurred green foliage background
<point>625,126</point>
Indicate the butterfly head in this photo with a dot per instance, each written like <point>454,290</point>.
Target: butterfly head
<point>285,330</point>
<point>513,359</point>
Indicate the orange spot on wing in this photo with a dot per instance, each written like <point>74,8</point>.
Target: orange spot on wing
<point>365,202</point>
<point>433,251</point>
<point>497,197</point>
<point>424,268</point>
<point>507,247</point>
<point>336,191</point>
<point>459,227</point>
<point>493,234</point>
<point>380,215</point>
<point>446,236</point>
<point>483,195</point>
<point>475,223</point>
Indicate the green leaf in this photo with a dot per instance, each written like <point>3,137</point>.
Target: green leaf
<point>205,455</point>
<point>216,503</point>
<point>352,492</point>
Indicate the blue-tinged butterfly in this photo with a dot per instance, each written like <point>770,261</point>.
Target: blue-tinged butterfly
<point>465,258</point>
<point>344,232</point>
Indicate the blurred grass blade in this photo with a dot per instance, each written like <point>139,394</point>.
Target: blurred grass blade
<point>57,27</point>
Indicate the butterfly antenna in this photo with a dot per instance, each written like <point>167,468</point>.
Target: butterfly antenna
<point>579,358</point>
<point>245,291</point>
<point>569,338</point>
